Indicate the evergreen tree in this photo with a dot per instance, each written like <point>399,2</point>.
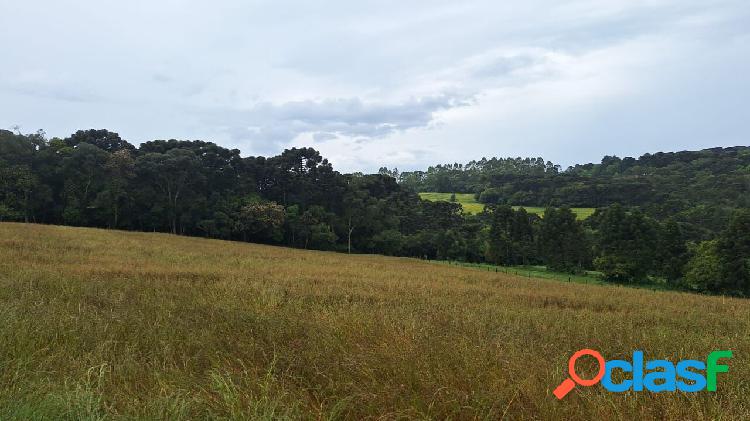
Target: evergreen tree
<point>562,241</point>
<point>671,253</point>
<point>626,245</point>
<point>703,270</point>
<point>511,239</point>
<point>733,248</point>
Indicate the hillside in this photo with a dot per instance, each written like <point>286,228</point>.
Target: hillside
<point>708,176</point>
<point>678,219</point>
<point>698,188</point>
<point>110,324</point>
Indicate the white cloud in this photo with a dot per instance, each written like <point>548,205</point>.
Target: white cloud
<point>391,83</point>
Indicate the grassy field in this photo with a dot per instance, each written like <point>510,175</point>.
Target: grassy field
<point>534,271</point>
<point>589,277</point>
<point>98,324</point>
<point>471,206</point>
<point>467,201</point>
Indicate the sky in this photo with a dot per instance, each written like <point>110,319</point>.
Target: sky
<point>404,84</point>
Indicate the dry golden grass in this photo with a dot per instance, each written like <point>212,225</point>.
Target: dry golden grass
<point>101,324</point>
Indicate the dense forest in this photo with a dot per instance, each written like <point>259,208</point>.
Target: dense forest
<point>700,188</point>
<point>680,218</point>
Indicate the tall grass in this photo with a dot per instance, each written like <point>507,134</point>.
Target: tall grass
<point>101,324</point>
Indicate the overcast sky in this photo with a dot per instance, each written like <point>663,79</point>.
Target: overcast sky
<point>397,83</point>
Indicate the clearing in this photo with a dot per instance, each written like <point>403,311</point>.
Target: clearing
<point>471,206</point>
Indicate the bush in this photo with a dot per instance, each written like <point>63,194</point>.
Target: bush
<point>703,271</point>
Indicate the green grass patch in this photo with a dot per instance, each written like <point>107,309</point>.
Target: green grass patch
<point>588,277</point>
<point>471,206</point>
<point>542,272</point>
<point>467,201</point>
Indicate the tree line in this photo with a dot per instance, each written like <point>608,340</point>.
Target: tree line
<point>698,188</point>
<point>95,178</point>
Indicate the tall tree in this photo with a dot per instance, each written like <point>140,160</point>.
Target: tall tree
<point>119,170</point>
<point>17,178</point>
<point>262,221</point>
<point>102,139</point>
<point>85,177</point>
<point>733,248</point>
<point>562,241</point>
<point>626,245</point>
<point>671,253</point>
<point>174,174</point>
<point>510,240</point>
<point>703,270</point>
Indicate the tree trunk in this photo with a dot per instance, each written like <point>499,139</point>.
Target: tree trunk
<point>351,228</point>
<point>115,226</point>
<point>171,204</point>
<point>26,206</point>
<point>176,195</point>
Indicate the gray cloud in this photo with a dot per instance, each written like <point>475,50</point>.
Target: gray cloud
<point>333,118</point>
<point>506,65</point>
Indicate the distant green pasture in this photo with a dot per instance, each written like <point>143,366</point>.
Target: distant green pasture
<point>471,206</point>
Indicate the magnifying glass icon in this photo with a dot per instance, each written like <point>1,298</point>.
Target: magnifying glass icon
<point>568,384</point>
